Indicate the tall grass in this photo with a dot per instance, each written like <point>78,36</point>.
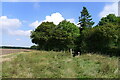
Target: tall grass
<point>49,64</point>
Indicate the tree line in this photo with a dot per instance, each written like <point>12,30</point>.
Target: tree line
<point>103,38</point>
<point>13,47</point>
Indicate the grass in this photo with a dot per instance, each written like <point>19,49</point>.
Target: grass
<point>50,64</point>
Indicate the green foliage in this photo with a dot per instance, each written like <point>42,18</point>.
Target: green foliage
<point>85,19</point>
<point>51,37</point>
<point>104,38</point>
<point>85,22</point>
<point>111,18</point>
<point>70,33</point>
<point>34,47</point>
<point>42,34</point>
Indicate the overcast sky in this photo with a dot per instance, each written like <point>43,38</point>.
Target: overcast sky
<point>19,18</point>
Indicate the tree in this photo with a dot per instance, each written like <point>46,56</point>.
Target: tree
<point>85,22</point>
<point>34,47</point>
<point>69,33</point>
<point>51,37</point>
<point>115,22</point>
<point>85,19</point>
<point>111,18</point>
<point>42,34</point>
<point>104,39</point>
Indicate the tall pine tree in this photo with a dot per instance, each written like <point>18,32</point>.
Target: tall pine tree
<point>85,19</point>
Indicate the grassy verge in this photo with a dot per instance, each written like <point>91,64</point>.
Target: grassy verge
<point>49,64</point>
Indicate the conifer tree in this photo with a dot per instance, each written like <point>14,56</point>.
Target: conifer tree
<point>85,19</point>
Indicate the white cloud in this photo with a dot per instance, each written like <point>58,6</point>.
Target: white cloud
<point>109,9</point>
<point>20,32</point>
<point>7,23</point>
<point>11,26</point>
<point>71,20</point>
<point>55,18</point>
<point>35,24</point>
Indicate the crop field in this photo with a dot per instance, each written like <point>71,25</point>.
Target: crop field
<point>50,64</point>
<point>7,51</point>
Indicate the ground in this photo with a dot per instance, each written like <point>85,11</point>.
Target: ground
<point>50,64</point>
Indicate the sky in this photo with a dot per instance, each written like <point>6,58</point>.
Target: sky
<point>18,19</point>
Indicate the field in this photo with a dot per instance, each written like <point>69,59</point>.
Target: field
<point>7,51</point>
<point>50,64</point>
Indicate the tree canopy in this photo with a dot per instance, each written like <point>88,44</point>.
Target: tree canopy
<point>103,38</point>
<point>111,18</point>
<point>55,37</point>
<point>71,32</point>
<point>42,34</point>
<point>85,19</point>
